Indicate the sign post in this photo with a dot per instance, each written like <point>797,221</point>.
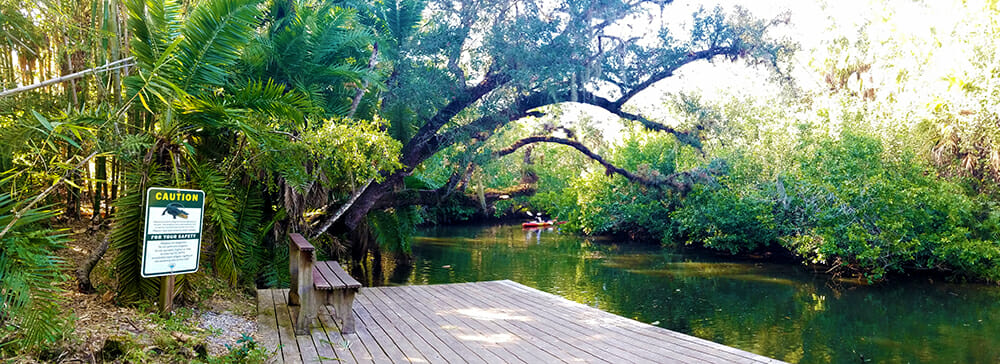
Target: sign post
<point>172,243</point>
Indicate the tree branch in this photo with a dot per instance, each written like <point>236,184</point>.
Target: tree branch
<point>668,71</point>
<point>610,168</point>
<point>614,107</point>
<point>343,208</point>
<point>41,196</point>
<point>364,87</point>
<point>437,196</point>
<point>84,284</point>
<point>680,181</point>
<point>425,143</point>
<point>111,66</point>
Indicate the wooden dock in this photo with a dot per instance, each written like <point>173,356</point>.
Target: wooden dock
<point>483,322</point>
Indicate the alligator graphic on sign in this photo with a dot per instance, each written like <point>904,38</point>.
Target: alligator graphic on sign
<point>174,210</point>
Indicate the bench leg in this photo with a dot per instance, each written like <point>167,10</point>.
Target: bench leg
<point>307,313</point>
<point>345,311</point>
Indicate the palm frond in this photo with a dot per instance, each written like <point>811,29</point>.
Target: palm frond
<point>249,217</point>
<point>403,16</point>
<point>393,229</point>
<point>127,234</point>
<point>154,25</point>
<point>220,212</point>
<point>272,100</point>
<point>213,37</point>
<point>29,280</point>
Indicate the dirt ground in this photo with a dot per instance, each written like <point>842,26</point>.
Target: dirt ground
<point>218,317</point>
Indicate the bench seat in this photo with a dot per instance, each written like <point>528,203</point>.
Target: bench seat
<point>318,283</point>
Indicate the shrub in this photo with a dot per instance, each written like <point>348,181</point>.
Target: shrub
<point>861,208</point>
<point>726,219</point>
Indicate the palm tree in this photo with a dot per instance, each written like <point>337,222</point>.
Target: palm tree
<point>197,116</point>
<point>241,127</point>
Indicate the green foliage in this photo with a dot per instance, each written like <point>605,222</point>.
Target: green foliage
<point>180,55</point>
<point>850,205</point>
<point>247,351</point>
<point>30,275</point>
<point>596,203</point>
<point>393,228</point>
<point>234,229</point>
<point>316,49</point>
<point>239,101</point>
<point>878,213</point>
<point>128,232</point>
<point>726,219</point>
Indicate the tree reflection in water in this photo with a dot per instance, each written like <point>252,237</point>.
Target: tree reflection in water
<point>783,311</point>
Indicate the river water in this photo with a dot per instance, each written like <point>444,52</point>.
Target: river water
<point>784,311</point>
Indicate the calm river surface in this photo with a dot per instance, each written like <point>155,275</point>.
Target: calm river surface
<point>782,311</point>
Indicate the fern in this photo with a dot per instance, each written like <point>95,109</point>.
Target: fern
<point>30,275</point>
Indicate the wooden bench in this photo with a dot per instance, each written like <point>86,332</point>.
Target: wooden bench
<point>318,283</point>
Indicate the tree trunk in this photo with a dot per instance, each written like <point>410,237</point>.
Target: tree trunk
<point>83,272</point>
<point>354,216</point>
<point>113,193</point>
<point>100,175</point>
<point>72,193</point>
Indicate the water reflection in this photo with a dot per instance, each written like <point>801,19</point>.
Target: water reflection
<point>782,311</point>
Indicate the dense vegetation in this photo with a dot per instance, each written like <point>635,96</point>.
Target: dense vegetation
<point>352,122</point>
<point>880,170</point>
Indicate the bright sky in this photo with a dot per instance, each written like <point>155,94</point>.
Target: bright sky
<point>814,22</point>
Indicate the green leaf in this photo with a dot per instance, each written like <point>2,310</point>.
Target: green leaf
<point>42,119</point>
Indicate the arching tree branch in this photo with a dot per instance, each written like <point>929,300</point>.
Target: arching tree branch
<point>668,71</point>
<point>610,168</point>
<point>680,181</point>
<point>438,196</point>
<point>426,142</point>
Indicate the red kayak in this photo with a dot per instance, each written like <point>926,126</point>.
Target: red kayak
<point>542,223</point>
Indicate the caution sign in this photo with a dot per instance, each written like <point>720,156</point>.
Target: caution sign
<point>173,231</point>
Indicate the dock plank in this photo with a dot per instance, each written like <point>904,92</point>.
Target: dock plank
<point>286,334</point>
<point>417,347</point>
<point>479,337</point>
<point>363,345</point>
<point>267,325</point>
<point>482,322</point>
<point>563,338</point>
<point>305,342</point>
<point>430,321</point>
<point>403,317</point>
<point>325,338</point>
<point>643,333</point>
<point>392,342</point>
<point>616,341</point>
<point>568,347</point>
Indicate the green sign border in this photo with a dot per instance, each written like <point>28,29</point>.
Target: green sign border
<point>145,230</point>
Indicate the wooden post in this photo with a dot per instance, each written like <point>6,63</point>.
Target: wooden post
<point>166,294</point>
<point>301,293</point>
<point>306,294</point>
<point>293,272</point>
